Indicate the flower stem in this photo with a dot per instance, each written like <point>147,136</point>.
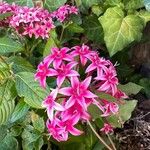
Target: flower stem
<point>98,136</point>
<point>112,143</point>
<point>62,32</point>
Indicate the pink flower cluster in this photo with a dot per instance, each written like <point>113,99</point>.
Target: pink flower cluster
<point>63,12</point>
<point>68,103</point>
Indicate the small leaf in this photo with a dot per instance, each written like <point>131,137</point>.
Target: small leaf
<point>120,30</point>
<point>20,110</point>
<point>16,130</point>
<point>130,88</point>
<point>89,3</point>
<point>5,15</point>
<point>75,28</point>
<point>28,88</point>
<point>8,45</point>
<point>52,5</point>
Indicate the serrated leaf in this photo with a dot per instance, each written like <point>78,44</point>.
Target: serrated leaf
<point>20,110</point>
<point>8,45</point>
<point>133,4</point>
<point>93,29</point>
<point>52,5</point>
<point>19,64</point>
<point>130,88</point>
<point>147,4</point>
<point>28,88</point>
<point>120,30</point>
<point>9,143</point>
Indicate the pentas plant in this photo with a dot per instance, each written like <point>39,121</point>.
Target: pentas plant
<point>33,21</point>
<point>75,91</point>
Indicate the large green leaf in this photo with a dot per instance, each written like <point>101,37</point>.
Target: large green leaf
<point>28,88</point>
<point>20,110</point>
<point>93,29</point>
<point>133,4</point>
<point>130,88</point>
<point>89,3</point>
<point>9,143</point>
<point>120,30</point>
<point>3,132</point>
<point>8,45</point>
<point>19,64</point>
<point>145,15</point>
<point>7,104</point>
<point>52,5</point>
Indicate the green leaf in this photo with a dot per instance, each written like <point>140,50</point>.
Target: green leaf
<point>113,2</point>
<point>97,10</point>
<point>7,104</point>
<point>120,31</point>
<point>16,130</point>
<point>98,146</point>
<point>5,72</point>
<point>39,143</point>
<point>28,88</point>
<point>28,3</point>
<point>5,15</point>
<point>147,4</point>
<point>9,143</point>
<point>75,28</point>
<point>19,64</point>
<point>52,5</point>
<point>38,122</point>
<point>145,15</point>
<point>3,132</point>
<point>125,111</point>
<point>130,88</point>
<point>8,45</point>
<point>89,3</point>
<point>93,29</point>
<point>20,110</point>
<point>133,4</point>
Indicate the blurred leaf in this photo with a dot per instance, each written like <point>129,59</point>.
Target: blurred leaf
<point>9,143</point>
<point>16,130</point>
<point>38,122</point>
<point>147,5</point>
<point>39,143</point>
<point>28,3</point>
<point>145,15</point>
<point>3,132</point>
<point>89,3</point>
<point>75,28</point>
<point>93,29</point>
<point>28,88</point>
<point>52,5</point>
<point>120,31</point>
<point>8,45</point>
<point>130,88</point>
<point>98,146</point>
<point>113,2</point>
<point>133,4</point>
<point>5,15</point>
<point>97,10</point>
<point>19,64</point>
<point>20,111</point>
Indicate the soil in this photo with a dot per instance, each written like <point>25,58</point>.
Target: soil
<point>136,132</point>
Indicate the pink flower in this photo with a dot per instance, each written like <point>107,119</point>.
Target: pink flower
<point>73,10</point>
<point>84,53</point>
<point>77,92</point>
<point>107,128</point>
<point>50,104</point>
<point>97,63</point>
<point>69,124</point>
<point>109,108</point>
<point>42,72</point>
<point>108,82</point>
<point>55,131</point>
<point>57,56</point>
<point>120,95</point>
<point>66,71</point>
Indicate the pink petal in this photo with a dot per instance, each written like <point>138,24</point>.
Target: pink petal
<point>90,68</point>
<point>52,72</point>
<point>73,73</point>
<point>89,94</point>
<point>74,82</point>
<point>83,60</point>
<point>71,65</point>
<point>60,80</point>
<point>66,91</point>
<point>58,107</point>
<point>86,82</point>
<point>75,131</point>
<point>54,93</point>
<point>104,86</point>
<point>70,102</point>
<point>57,63</point>
<point>50,113</point>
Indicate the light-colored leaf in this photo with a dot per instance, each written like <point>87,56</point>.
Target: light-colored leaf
<point>28,88</point>
<point>120,30</point>
<point>130,88</point>
<point>28,3</point>
<point>75,28</point>
<point>133,4</point>
<point>8,45</point>
<point>52,5</point>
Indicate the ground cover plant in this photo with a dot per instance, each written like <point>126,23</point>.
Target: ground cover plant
<point>66,75</point>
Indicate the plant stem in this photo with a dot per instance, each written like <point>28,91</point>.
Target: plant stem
<point>98,136</point>
<point>112,143</point>
<point>62,32</point>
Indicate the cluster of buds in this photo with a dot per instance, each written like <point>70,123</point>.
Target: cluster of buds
<point>76,90</point>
